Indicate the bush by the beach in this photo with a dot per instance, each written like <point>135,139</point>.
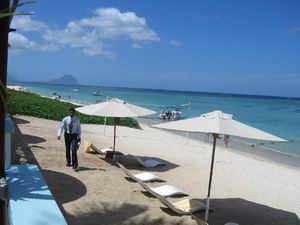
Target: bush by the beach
<point>30,104</point>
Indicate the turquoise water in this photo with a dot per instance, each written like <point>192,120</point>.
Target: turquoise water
<point>279,116</point>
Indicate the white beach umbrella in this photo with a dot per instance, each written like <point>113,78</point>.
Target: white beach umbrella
<point>116,108</point>
<point>217,123</point>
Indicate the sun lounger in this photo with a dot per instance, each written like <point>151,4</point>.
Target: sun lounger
<point>88,146</point>
<point>168,190</point>
<point>149,163</point>
<point>164,190</point>
<point>183,207</point>
<point>145,176</point>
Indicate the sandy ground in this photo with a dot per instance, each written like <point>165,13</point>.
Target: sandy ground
<point>245,190</point>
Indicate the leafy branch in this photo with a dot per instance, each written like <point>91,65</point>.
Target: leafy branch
<point>12,10</point>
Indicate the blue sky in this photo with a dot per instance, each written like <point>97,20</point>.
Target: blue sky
<point>249,47</point>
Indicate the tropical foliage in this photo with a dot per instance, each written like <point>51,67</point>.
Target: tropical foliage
<point>29,104</point>
<point>10,12</point>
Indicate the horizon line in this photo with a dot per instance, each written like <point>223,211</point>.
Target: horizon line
<point>166,90</point>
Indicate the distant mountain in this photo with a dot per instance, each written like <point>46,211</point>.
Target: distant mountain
<point>11,79</point>
<point>65,79</point>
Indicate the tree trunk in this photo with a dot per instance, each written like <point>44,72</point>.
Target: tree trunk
<point>4,28</point>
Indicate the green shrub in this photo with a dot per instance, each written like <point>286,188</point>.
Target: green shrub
<point>30,104</point>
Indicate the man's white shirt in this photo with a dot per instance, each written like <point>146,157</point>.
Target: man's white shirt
<point>65,125</point>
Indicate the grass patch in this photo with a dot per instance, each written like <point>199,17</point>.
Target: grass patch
<point>30,104</point>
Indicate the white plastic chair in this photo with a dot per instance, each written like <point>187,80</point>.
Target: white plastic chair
<point>164,190</point>
<point>168,190</point>
<point>185,206</point>
<point>88,146</point>
<point>145,176</point>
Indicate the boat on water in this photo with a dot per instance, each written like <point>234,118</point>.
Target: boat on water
<point>97,93</point>
<point>75,90</point>
<point>173,112</point>
<point>170,113</point>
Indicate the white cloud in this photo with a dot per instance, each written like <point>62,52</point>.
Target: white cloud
<point>90,34</point>
<point>175,43</point>
<point>137,46</point>
<point>25,23</point>
<point>295,29</point>
<point>19,43</point>
<point>76,37</point>
<point>98,51</point>
<point>110,23</point>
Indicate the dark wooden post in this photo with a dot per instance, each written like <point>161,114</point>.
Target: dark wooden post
<point>211,175</point>
<point>4,29</point>
<point>115,131</point>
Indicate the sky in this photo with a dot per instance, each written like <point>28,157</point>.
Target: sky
<point>245,47</point>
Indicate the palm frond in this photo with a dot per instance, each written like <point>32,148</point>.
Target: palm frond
<point>11,11</point>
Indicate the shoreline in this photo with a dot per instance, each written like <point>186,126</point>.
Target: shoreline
<point>256,152</point>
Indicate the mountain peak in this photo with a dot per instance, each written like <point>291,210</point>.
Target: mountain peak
<point>65,79</point>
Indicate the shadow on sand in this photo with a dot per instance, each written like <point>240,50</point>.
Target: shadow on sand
<point>20,121</point>
<point>61,183</point>
<point>30,139</point>
<point>23,153</point>
<point>131,163</point>
<point>116,214</point>
<point>245,212</point>
<point>67,184</point>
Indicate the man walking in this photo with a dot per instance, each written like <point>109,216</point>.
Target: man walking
<point>71,126</point>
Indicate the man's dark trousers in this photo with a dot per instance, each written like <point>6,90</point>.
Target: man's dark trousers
<point>69,138</point>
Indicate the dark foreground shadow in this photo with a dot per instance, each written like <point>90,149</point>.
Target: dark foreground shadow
<point>82,168</point>
<point>245,212</point>
<point>21,152</point>
<point>30,139</point>
<point>117,214</point>
<point>130,162</point>
<point>64,187</point>
<point>20,121</point>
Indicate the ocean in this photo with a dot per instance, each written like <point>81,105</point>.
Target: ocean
<point>277,115</point>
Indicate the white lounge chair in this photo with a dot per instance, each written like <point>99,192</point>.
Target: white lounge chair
<point>164,190</point>
<point>149,163</point>
<point>183,207</point>
<point>88,146</point>
<point>145,176</point>
<point>168,190</point>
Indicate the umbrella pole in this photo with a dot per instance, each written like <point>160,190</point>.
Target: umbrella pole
<point>115,126</point>
<point>187,138</point>
<point>210,176</point>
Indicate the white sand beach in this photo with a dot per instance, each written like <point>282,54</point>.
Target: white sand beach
<point>245,190</point>
<point>18,88</point>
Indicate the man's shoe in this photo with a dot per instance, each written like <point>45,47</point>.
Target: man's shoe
<point>68,165</point>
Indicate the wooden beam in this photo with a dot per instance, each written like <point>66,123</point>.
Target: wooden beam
<point>4,29</point>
